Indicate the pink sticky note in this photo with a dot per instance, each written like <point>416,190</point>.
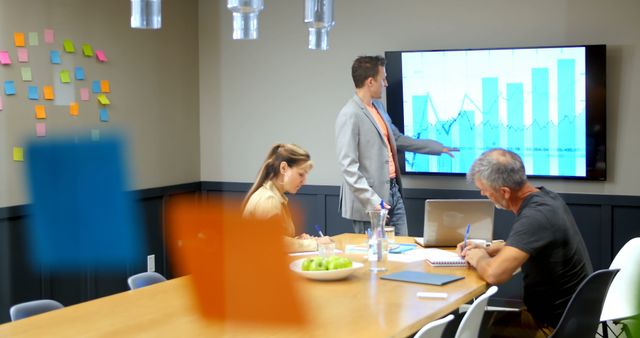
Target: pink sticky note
<point>84,94</point>
<point>23,55</point>
<point>48,35</point>
<point>100,55</point>
<point>1,106</point>
<point>5,59</point>
<point>41,129</point>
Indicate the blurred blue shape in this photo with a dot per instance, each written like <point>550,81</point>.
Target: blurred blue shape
<point>95,87</point>
<point>81,214</point>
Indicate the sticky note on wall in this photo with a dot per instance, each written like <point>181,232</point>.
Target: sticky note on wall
<point>18,39</point>
<point>5,59</point>
<point>41,129</point>
<point>47,92</point>
<point>74,109</point>
<point>9,88</point>
<point>54,56</point>
<point>84,94</point>
<point>33,93</point>
<point>33,39</point>
<point>41,112</point>
<point>103,99</point>
<point>79,72</point>
<point>105,86</point>
<point>87,50</point>
<point>26,73</point>
<point>65,77</point>
<point>18,154</point>
<point>48,35</point>
<point>23,55</point>
<point>68,46</point>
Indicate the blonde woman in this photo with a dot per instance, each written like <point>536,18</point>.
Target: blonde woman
<point>284,170</point>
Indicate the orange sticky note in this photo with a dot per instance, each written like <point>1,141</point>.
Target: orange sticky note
<point>41,113</point>
<point>47,92</point>
<point>208,239</point>
<point>105,87</point>
<point>74,109</point>
<point>18,38</point>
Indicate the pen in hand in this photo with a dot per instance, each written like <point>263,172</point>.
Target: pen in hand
<point>466,236</point>
<point>318,230</point>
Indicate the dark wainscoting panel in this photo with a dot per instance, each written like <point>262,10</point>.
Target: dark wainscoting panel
<point>20,282</point>
<point>606,222</point>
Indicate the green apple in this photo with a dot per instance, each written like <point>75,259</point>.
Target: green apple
<point>306,264</point>
<point>339,263</point>
<point>318,264</point>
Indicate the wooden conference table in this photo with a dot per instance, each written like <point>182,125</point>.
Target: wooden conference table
<point>361,305</point>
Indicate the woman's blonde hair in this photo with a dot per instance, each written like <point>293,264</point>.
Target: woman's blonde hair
<point>291,154</point>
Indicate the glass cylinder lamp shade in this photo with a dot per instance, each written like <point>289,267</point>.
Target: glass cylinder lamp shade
<point>245,18</point>
<point>318,15</point>
<point>146,14</point>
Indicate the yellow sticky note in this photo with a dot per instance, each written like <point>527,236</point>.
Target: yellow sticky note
<point>74,109</point>
<point>18,38</point>
<point>105,86</point>
<point>103,99</point>
<point>68,46</point>
<point>87,50</point>
<point>41,113</point>
<point>18,154</point>
<point>64,76</point>
<point>47,92</point>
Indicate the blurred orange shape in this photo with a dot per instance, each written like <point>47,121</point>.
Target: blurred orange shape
<point>239,267</point>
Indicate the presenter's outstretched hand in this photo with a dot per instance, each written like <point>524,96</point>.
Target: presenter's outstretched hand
<point>449,151</point>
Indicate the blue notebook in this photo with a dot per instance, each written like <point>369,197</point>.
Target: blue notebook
<point>422,277</point>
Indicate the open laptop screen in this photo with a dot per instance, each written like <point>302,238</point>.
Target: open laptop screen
<point>445,220</point>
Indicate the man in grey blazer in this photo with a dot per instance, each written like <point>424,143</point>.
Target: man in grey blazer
<point>367,144</point>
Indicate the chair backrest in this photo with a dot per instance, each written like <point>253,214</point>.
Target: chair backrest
<point>144,279</point>
<point>434,329</point>
<point>582,315</point>
<point>32,308</point>
<point>622,298</point>
<point>470,324</point>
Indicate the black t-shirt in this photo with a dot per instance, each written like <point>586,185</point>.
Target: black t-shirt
<point>558,258</point>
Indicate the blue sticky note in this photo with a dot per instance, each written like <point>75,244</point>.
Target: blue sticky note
<point>81,213</point>
<point>104,115</point>
<point>9,88</point>
<point>55,57</point>
<point>33,93</point>
<point>79,73</point>
<point>95,86</point>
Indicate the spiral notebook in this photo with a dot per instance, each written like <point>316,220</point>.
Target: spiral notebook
<point>439,257</point>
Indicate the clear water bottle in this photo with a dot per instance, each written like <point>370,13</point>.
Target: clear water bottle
<point>377,245</point>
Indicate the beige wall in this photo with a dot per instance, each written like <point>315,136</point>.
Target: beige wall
<point>256,93</point>
<point>154,83</point>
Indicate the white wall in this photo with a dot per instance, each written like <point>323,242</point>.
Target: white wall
<point>256,93</point>
<point>154,84</point>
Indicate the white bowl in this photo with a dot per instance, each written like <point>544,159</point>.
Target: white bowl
<point>324,275</point>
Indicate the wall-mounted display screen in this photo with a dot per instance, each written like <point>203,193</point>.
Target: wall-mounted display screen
<point>545,103</point>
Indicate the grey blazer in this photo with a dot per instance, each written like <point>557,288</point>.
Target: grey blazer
<point>363,159</point>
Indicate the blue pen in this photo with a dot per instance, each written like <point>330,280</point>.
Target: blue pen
<point>466,235</point>
<point>319,231</point>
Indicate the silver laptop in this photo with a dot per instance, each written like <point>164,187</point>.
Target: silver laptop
<point>445,221</point>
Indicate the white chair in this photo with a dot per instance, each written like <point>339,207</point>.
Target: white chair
<point>621,302</point>
<point>144,279</point>
<point>470,324</point>
<point>434,329</point>
<point>32,308</point>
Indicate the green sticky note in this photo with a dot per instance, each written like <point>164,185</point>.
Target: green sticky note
<point>87,50</point>
<point>33,39</point>
<point>95,134</point>
<point>65,77</point>
<point>103,99</point>
<point>26,73</point>
<point>18,154</point>
<point>68,46</point>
